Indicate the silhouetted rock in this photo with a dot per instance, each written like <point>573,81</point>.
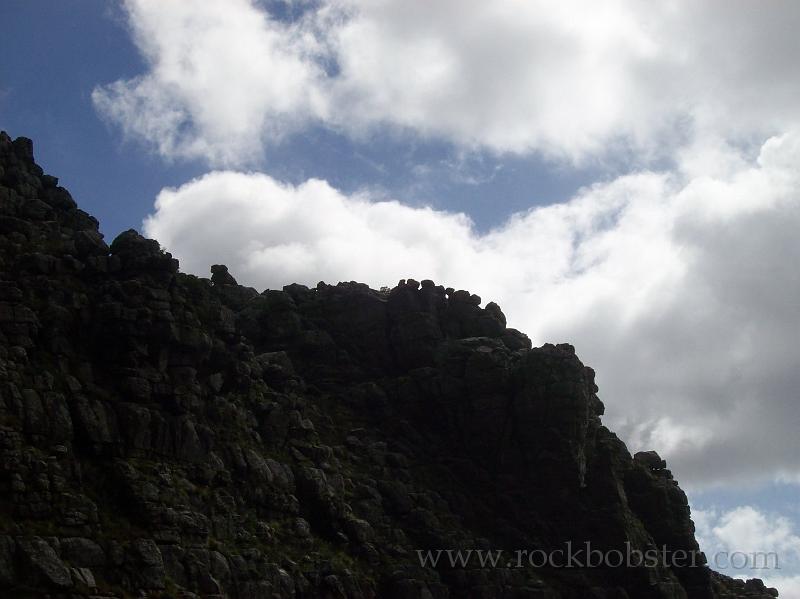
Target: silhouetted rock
<point>221,276</point>
<point>167,435</point>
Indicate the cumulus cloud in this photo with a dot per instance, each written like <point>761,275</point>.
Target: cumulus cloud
<point>273,233</point>
<point>572,80</point>
<point>745,542</point>
<point>679,289</point>
<point>222,77</point>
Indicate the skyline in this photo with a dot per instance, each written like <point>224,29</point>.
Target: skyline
<point>622,178</point>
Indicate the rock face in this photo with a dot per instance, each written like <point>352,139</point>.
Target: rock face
<point>165,435</point>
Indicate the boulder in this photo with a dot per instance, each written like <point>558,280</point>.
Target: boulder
<point>41,562</point>
<point>650,459</point>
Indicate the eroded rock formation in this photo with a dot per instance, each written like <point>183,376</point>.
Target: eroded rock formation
<point>166,435</point>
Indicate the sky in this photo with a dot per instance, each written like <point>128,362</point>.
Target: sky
<point>620,175</point>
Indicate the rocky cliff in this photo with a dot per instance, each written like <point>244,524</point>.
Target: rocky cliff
<point>166,435</point>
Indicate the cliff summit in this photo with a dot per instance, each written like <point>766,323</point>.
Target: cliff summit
<point>166,435</point>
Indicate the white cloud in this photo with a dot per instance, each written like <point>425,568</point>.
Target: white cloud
<point>680,290</point>
<point>508,75</point>
<point>747,529</point>
<point>745,542</point>
<point>789,586</point>
<point>222,77</point>
<point>573,79</point>
<point>275,233</point>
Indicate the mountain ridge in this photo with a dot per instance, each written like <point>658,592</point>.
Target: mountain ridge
<point>167,435</point>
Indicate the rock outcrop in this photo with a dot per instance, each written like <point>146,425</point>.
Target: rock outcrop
<point>165,435</point>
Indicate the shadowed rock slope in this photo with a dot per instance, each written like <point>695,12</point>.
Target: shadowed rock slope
<point>165,435</point>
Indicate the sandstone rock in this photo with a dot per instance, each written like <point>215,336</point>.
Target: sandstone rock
<point>138,253</point>
<point>42,562</point>
<point>650,459</point>
<point>23,148</point>
<point>82,552</point>
<point>221,276</point>
<point>8,572</point>
<point>145,564</point>
<point>180,436</point>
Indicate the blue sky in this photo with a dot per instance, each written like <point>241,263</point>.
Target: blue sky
<point>63,50</point>
<point>54,54</point>
<point>623,177</point>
